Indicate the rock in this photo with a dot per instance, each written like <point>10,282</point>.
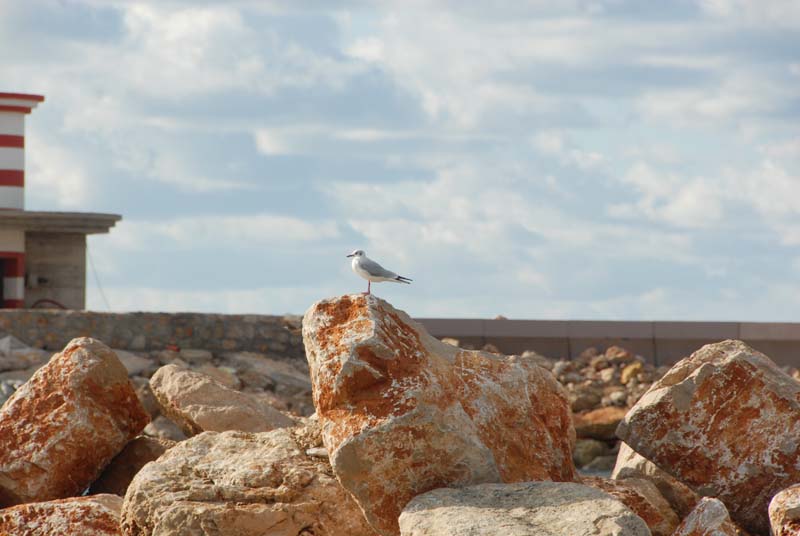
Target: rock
<point>587,450</point>
<point>601,465</point>
<point>403,413</point>
<point>585,399</point>
<point>163,428</point>
<point>630,372</point>
<point>709,518</point>
<point>617,355</point>
<point>95,515</point>
<point>61,428</point>
<point>241,484</point>
<point>146,396</point>
<point>195,356</point>
<point>784,512</point>
<point>451,341</point>
<point>224,375</point>
<point>264,372</point>
<point>134,364</point>
<point>644,499</point>
<point>521,509</point>
<point>7,388</point>
<point>118,474</point>
<point>631,464</point>
<point>712,422</point>
<point>599,423</point>
<point>197,403</point>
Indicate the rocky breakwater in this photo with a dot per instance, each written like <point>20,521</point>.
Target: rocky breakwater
<point>403,414</point>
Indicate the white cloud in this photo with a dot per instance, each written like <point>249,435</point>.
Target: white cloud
<point>239,231</point>
<point>55,177</point>
<point>671,198</point>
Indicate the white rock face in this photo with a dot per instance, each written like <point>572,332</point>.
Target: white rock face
<point>521,509</point>
<point>198,403</point>
<point>242,484</point>
<point>784,512</point>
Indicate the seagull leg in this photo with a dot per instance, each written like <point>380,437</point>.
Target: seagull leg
<point>368,286</point>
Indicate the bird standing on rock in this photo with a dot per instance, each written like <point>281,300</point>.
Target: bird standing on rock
<point>372,271</point>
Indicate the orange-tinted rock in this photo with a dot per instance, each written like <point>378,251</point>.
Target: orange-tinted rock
<point>631,464</point>
<point>61,428</point>
<point>403,413</point>
<point>599,423</point>
<point>95,515</point>
<point>726,422</point>
<point>118,474</point>
<point>644,499</point>
<point>784,512</point>
<point>709,518</point>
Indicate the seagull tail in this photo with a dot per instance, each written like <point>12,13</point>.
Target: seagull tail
<point>401,279</point>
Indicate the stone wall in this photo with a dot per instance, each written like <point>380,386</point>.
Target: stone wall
<point>53,329</point>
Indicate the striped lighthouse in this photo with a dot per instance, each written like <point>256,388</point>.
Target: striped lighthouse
<point>13,109</point>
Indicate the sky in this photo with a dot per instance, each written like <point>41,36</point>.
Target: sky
<point>602,159</point>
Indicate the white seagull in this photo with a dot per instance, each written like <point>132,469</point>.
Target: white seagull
<point>372,271</point>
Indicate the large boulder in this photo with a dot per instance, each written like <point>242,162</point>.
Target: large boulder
<point>726,422</point>
<point>632,465</point>
<point>644,499</point>
<point>403,413</point>
<point>61,428</point>
<point>784,512</point>
<point>709,518</point>
<point>519,509</point>
<point>243,484</point>
<point>95,515</point>
<point>198,403</point>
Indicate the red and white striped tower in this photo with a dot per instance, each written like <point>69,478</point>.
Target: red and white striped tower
<point>13,109</point>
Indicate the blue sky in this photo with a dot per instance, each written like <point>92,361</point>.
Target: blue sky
<point>603,159</point>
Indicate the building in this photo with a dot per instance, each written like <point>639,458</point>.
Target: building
<point>42,254</point>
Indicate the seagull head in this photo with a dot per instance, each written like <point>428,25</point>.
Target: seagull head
<point>357,253</point>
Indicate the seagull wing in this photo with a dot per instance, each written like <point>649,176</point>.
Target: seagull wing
<point>374,269</point>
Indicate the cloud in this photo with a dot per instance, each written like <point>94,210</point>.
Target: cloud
<point>55,178</point>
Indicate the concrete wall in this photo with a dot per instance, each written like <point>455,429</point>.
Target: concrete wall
<point>60,258</point>
<point>660,342</point>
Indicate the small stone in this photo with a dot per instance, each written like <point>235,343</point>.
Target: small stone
<point>196,357</point>
<point>630,372</point>
<point>163,428</point>
<point>587,450</point>
<point>599,424</point>
<point>451,341</point>
<point>709,518</point>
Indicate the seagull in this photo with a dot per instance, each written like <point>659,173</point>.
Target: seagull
<point>372,271</point>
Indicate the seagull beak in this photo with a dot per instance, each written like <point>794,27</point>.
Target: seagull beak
<point>350,255</point>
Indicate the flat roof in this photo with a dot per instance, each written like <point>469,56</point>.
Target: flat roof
<point>58,222</point>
